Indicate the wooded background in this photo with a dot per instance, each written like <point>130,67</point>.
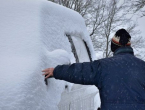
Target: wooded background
<point>104,17</point>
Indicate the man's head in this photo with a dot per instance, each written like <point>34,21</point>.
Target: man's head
<point>120,39</point>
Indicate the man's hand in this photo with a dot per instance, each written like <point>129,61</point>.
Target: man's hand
<point>48,72</point>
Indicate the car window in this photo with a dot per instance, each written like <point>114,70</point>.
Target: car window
<point>79,49</point>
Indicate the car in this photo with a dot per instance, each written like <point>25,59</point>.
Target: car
<point>35,35</point>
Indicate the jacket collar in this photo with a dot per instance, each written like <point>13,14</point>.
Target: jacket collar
<point>124,50</point>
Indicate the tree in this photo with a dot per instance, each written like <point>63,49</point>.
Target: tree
<point>103,18</point>
<point>136,6</point>
<point>80,6</point>
<point>109,18</point>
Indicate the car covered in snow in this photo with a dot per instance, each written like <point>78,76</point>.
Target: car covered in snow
<point>37,34</point>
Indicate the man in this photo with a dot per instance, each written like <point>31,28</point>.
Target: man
<point>120,79</point>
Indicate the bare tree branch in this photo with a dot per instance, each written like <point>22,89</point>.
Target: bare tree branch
<point>104,17</point>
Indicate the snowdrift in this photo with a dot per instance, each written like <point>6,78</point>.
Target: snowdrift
<point>33,37</point>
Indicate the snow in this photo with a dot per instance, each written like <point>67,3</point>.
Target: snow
<point>56,87</point>
<point>32,39</point>
<point>20,60</point>
<point>97,102</point>
<point>72,24</point>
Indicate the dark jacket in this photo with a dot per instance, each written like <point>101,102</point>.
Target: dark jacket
<point>120,79</point>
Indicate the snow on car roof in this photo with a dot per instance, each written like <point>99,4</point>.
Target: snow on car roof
<point>65,21</point>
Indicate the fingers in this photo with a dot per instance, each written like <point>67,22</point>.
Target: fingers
<point>48,76</point>
<point>46,70</point>
<point>45,73</point>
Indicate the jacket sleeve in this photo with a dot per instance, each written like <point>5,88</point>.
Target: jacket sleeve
<point>87,73</point>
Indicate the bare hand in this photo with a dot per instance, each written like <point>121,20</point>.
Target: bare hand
<point>48,72</point>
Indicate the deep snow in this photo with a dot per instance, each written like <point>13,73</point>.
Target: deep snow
<point>32,39</point>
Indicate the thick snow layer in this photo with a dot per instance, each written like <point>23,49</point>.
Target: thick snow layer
<point>20,60</point>
<point>32,39</point>
<point>56,87</point>
<point>65,21</point>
